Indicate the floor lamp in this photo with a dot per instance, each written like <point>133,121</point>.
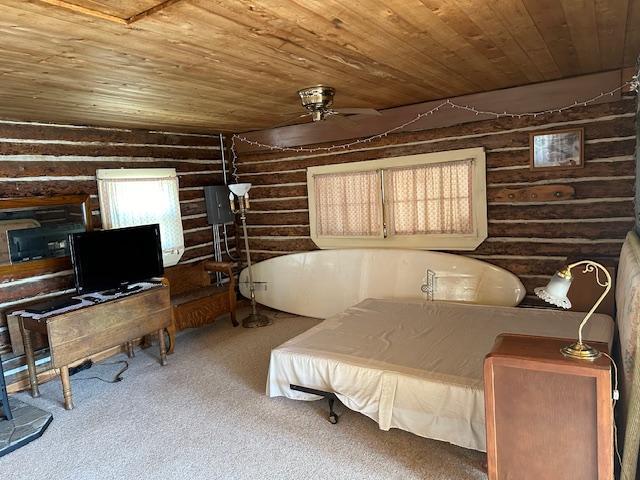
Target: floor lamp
<point>241,190</point>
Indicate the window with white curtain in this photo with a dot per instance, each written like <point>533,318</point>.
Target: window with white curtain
<point>428,201</point>
<point>348,204</point>
<point>130,197</point>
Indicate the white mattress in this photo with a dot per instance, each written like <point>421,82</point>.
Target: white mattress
<point>414,365</point>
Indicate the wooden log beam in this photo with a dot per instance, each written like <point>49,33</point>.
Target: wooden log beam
<point>601,209</point>
<point>495,158</point>
<point>88,166</point>
<point>108,150</point>
<point>75,133</point>
<point>548,247</point>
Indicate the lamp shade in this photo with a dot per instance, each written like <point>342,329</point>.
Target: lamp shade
<point>556,290</point>
<point>240,189</point>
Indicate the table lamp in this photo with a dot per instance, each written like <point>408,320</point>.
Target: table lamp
<point>241,190</point>
<point>555,293</point>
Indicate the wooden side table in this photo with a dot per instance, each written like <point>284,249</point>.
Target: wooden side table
<point>78,334</point>
<point>547,416</point>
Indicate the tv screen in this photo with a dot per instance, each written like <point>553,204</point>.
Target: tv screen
<point>112,259</point>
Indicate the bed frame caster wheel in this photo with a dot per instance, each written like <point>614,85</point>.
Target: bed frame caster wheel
<point>331,399</point>
<point>333,416</point>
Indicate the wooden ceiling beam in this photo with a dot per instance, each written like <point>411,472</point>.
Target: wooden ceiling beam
<point>106,16</point>
<point>86,11</point>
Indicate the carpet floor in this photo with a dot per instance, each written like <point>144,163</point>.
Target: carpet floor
<point>205,416</point>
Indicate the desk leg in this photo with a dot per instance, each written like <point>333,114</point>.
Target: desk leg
<point>130,352</point>
<point>66,387</point>
<point>31,362</point>
<point>163,350</point>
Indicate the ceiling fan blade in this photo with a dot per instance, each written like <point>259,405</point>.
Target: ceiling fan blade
<point>291,121</point>
<point>357,111</point>
<point>335,116</point>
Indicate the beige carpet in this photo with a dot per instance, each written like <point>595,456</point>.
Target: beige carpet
<point>205,416</point>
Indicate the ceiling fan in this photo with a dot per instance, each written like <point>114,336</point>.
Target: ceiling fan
<point>319,99</point>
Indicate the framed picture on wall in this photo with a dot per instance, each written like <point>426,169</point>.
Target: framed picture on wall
<point>558,149</point>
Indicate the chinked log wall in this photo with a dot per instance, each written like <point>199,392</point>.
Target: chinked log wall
<point>530,236</point>
<point>44,160</point>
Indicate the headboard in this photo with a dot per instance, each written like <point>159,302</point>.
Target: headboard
<point>628,321</point>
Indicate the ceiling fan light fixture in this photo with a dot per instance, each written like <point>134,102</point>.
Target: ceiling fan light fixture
<point>317,99</point>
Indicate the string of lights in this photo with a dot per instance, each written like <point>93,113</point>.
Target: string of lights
<point>633,84</point>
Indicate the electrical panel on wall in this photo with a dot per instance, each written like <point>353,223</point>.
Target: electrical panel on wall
<point>218,208</point>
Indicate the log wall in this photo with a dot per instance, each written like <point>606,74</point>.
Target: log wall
<point>41,159</point>
<point>537,219</point>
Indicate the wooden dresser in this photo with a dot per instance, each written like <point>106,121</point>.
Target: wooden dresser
<point>547,416</point>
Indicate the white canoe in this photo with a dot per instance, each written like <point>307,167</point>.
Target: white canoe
<point>322,283</point>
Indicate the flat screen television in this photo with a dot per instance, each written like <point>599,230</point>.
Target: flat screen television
<point>113,259</point>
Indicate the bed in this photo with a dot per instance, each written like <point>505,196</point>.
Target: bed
<point>411,364</point>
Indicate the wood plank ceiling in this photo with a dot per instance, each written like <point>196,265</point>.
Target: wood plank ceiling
<point>235,65</point>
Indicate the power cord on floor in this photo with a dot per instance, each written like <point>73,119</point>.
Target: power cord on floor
<point>616,397</point>
<point>118,376</point>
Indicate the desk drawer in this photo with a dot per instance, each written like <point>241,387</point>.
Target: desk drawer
<point>84,332</point>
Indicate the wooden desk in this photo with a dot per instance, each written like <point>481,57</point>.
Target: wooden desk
<point>77,334</point>
<point>547,416</point>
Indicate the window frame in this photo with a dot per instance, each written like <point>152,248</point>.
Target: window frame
<point>170,256</point>
<point>448,241</point>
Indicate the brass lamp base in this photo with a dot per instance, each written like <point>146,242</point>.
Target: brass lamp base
<point>254,320</point>
<point>580,351</point>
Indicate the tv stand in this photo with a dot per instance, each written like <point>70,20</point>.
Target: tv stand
<point>78,334</point>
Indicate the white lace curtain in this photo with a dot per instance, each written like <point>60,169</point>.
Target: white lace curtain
<point>430,199</point>
<point>130,197</point>
<point>424,199</point>
<point>348,204</point>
